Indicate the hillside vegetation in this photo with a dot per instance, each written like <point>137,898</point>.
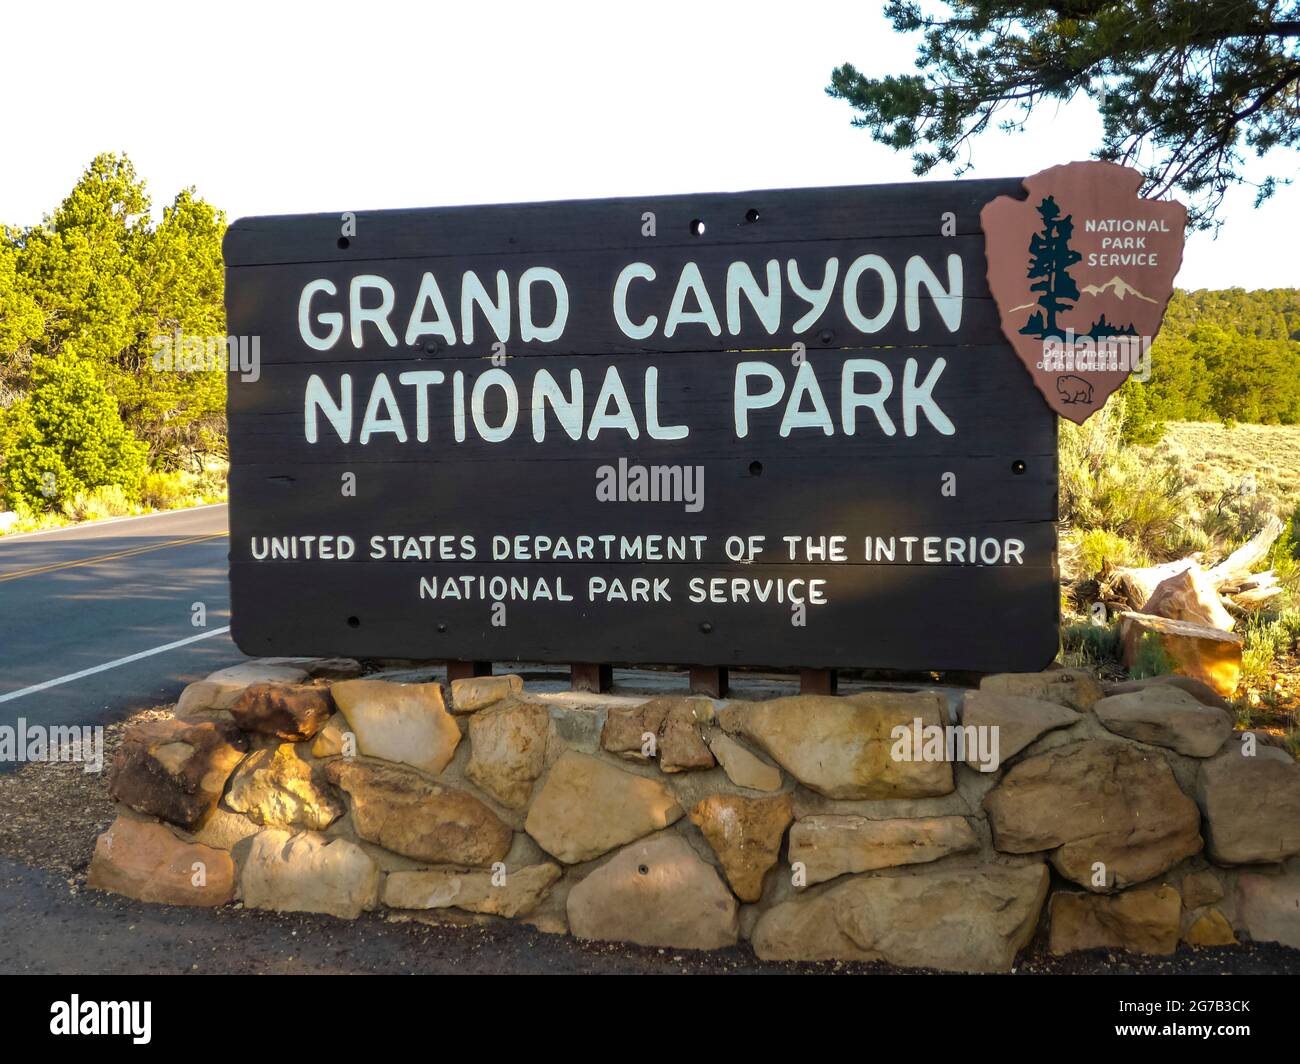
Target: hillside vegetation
<point>1227,356</point>
<point>88,423</point>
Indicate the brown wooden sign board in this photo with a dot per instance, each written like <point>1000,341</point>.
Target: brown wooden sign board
<point>779,428</point>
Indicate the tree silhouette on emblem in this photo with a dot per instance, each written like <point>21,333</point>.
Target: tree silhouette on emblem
<point>1050,259</point>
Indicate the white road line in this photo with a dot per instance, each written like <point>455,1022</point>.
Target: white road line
<point>16,536</point>
<point>111,665</point>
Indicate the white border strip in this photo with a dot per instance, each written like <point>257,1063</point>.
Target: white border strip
<point>111,665</point>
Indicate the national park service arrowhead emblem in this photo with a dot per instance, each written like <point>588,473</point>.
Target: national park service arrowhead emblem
<point>1081,271</point>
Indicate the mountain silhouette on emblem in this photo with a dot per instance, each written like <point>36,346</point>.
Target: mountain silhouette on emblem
<point>1118,287</point>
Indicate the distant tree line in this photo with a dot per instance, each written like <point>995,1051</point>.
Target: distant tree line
<point>1227,355</point>
<point>84,296</point>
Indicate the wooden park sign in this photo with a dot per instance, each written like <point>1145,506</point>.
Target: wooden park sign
<point>772,428</point>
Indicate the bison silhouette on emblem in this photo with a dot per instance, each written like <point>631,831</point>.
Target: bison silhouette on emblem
<point>1073,389</point>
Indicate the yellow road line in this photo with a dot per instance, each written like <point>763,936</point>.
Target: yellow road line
<point>37,570</point>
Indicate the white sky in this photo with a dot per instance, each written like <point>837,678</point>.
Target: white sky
<point>277,107</point>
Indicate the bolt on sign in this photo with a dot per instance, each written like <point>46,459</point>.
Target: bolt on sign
<point>772,428</point>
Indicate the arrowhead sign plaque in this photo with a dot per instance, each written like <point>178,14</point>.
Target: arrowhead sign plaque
<point>1081,271</point>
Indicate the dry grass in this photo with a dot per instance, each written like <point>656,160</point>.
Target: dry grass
<point>1219,459</point>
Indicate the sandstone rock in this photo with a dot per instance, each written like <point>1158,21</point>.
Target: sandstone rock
<point>1076,688</point>
<point>1166,716</point>
<point>262,670</point>
<point>655,893</point>
<point>675,723</point>
<point>1201,888</point>
<point>1202,692</point>
<point>287,712</point>
<point>308,873</point>
<point>1019,720</point>
<point>1196,650</point>
<point>746,835</point>
<point>320,668</point>
<point>474,891</point>
<point>1251,805</point>
<point>331,739</point>
<point>587,807</point>
<point>478,692</point>
<point>1096,801</point>
<point>279,788</point>
<point>508,750</point>
<point>144,860</point>
<point>208,700</point>
<point>742,767</point>
<point>575,726</point>
<point>399,722</point>
<point>1210,928</point>
<point>626,726</point>
<point>1268,906</point>
<point>833,844</point>
<point>681,742</point>
<point>843,747</point>
<point>175,770</point>
<point>1139,921</point>
<point>969,919</point>
<point>1189,596</point>
<point>224,830</point>
<point>402,811</point>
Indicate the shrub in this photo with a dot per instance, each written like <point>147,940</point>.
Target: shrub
<point>1284,557</point>
<point>1107,486</point>
<point>1088,645</point>
<point>67,437</point>
<point>1100,548</point>
<point>210,484</point>
<point>106,501</point>
<point>1267,636</point>
<point>1141,423</point>
<point>1237,514</point>
<point>164,491</point>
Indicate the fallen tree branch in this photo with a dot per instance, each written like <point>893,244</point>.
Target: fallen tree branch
<point>1238,564</point>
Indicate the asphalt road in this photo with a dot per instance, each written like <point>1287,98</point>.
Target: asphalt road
<point>79,600</point>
